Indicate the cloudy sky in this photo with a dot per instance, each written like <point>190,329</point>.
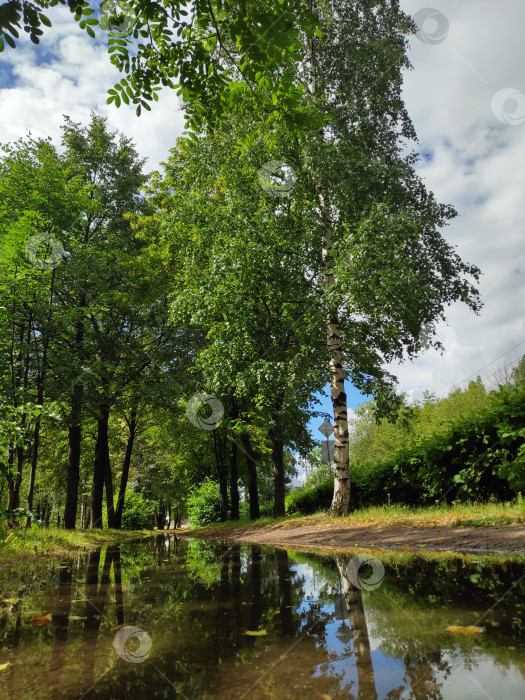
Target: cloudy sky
<point>466,98</point>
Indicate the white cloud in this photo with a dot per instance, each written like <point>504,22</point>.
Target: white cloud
<point>478,165</point>
<point>69,73</point>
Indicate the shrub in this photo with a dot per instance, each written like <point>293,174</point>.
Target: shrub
<point>479,456</point>
<point>310,499</point>
<point>204,504</point>
<point>138,511</point>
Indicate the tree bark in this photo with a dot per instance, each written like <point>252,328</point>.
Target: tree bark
<point>132,426</point>
<point>100,465</point>
<point>278,473</point>
<point>234,478</point>
<point>110,500</point>
<point>11,498</point>
<point>341,499</point>
<point>75,434</point>
<point>41,378</point>
<point>32,476</point>
<point>73,458</point>
<point>222,474</point>
<point>251,466</point>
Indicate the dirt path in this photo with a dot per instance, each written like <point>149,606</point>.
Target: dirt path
<point>508,538</point>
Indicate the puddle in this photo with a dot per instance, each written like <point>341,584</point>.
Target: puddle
<point>196,619</point>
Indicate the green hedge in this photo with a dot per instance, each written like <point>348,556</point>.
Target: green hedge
<point>311,499</point>
<point>480,456</point>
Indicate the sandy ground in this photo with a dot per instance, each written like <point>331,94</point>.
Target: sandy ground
<point>508,538</point>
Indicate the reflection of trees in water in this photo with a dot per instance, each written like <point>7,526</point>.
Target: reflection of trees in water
<point>61,618</point>
<point>208,595</point>
<point>356,617</point>
<point>96,599</point>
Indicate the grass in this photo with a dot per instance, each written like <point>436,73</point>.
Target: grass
<point>455,515</point>
<point>21,543</point>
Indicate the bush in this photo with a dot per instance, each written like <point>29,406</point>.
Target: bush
<point>138,511</point>
<point>204,504</point>
<point>310,499</point>
<point>481,455</point>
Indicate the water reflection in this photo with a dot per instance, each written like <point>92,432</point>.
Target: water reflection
<point>249,622</point>
<point>361,644</point>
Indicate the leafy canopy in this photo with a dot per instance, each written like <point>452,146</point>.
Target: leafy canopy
<point>221,56</point>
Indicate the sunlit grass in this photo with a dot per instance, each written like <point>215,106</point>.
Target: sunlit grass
<point>455,515</point>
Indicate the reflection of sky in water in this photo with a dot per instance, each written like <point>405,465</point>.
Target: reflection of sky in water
<point>389,672</point>
<point>482,680</point>
<point>472,678</point>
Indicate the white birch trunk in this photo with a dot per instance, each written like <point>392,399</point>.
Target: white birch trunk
<point>341,499</point>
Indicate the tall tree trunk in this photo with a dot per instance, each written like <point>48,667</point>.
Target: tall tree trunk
<point>32,476</point>
<point>73,458</point>
<point>341,500</point>
<point>99,468</point>
<point>110,500</point>
<point>11,487</point>
<point>222,474</point>
<point>278,472</point>
<point>234,465</point>
<point>234,478</point>
<point>251,466</point>
<point>25,335</point>
<point>75,433</point>
<point>132,427</point>
<point>41,378</point>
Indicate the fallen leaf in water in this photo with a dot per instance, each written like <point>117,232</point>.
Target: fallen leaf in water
<point>255,633</point>
<point>4,666</point>
<point>468,630</point>
<point>42,619</point>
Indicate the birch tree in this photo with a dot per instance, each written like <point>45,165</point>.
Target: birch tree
<point>380,227</point>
